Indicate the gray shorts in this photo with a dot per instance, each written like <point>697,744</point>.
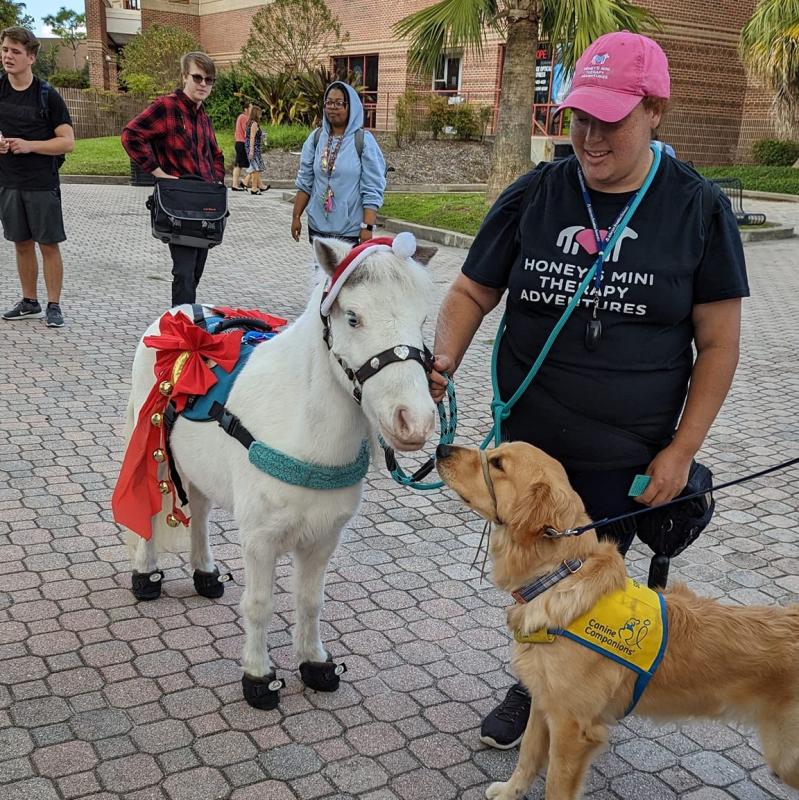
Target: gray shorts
<point>32,214</point>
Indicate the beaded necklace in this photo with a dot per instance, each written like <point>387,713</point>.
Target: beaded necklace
<point>328,162</point>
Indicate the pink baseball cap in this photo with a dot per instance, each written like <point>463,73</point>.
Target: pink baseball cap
<point>615,73</point>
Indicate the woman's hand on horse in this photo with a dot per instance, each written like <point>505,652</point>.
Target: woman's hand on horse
<point>296,228</point>
<point>669,474</point>
<point>436,381</point>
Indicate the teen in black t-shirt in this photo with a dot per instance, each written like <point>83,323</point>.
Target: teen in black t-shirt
<point>36,133</point>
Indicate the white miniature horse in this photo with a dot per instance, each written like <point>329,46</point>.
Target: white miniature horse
<point>296,395</point>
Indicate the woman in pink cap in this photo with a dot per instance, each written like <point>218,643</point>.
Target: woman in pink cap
<point>620,393</point>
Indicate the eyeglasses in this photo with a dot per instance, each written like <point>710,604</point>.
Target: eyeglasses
<point>198,79</point>
<point>335,104</point>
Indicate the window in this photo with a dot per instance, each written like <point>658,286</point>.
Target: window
<point>447,77</point>
<point>361,70</point>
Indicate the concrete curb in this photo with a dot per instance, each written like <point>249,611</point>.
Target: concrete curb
<point>768,234</point>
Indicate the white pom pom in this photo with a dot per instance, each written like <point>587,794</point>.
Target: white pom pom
<point>404,245</point>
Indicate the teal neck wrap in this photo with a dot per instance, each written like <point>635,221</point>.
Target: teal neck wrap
<point>311,476</point>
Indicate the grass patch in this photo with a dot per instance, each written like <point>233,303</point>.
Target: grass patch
<point>461,212</point>
<point>759,179</point>
<point>106,156</point>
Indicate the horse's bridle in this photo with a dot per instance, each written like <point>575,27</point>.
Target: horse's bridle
<point>373,365</point>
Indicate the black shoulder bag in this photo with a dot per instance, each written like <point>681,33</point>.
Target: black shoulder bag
<point>188,211</point>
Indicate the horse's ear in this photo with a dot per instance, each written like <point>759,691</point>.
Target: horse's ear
<point>423,254</point>
<point>328,253</point>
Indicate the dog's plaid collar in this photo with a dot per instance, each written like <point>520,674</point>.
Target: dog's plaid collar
<point>532,590</point>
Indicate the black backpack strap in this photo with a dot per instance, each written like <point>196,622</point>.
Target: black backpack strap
<point>316,134</point>
<point>359,142</point>
<point>44,100</point>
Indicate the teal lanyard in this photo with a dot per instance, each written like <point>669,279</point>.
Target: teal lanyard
<point>500,410</point>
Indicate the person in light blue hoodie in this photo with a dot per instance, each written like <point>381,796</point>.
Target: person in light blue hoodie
<point>342,174</point>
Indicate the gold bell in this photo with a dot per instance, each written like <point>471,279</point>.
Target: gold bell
<point>172,521</point>
<point>159,455</point>
<point>165,387</point>
<point>157,419</point>
<point>164,487</point>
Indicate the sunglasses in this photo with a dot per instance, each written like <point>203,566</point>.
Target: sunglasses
<point>198,79</point>
<point>335,104</point>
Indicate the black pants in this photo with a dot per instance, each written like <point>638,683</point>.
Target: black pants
<point>604,494</point>
<point>188,264</point>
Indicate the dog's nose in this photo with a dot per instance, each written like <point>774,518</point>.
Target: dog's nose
<point>443,451</point>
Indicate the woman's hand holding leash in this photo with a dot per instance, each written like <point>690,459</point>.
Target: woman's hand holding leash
<point>669,474</point>
<point>436,381</point>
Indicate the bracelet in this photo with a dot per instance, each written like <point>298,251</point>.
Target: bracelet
<point>367,227</point>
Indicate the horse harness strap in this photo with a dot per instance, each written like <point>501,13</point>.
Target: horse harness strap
<point>392,355</point>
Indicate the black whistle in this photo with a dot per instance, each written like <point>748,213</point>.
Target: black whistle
<point>593,334</point>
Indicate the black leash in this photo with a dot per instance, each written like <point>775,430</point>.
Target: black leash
<point>551,533</point>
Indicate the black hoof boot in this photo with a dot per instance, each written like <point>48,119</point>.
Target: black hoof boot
<point>324,676</point>
<point>262,693</point>
<point>147,585</point>
<point>210,584</point>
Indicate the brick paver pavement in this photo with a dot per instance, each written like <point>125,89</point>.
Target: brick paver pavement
<point>103,698</point>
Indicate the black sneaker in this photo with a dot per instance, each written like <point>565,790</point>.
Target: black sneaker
<point>504,727</point>
<point>53,316</point>
<point>24,309</point>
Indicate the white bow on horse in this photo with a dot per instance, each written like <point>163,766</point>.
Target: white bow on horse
<point>314,395</point>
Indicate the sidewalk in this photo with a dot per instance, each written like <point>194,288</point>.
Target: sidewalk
<point>101,698</point>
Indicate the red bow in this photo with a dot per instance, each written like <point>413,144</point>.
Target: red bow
<point>181,370</point>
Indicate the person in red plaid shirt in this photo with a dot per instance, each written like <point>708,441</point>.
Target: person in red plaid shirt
<point>174,137</point>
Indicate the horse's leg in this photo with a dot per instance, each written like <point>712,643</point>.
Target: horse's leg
<point>259,682</point>
<point>147,578</point>
<point>207,580</point>
<point>310,563</point>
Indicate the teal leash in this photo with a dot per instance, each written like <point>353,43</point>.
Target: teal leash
<point>448,422</point>
<point>500,410</point>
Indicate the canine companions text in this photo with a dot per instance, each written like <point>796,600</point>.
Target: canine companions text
<point>735,662</point>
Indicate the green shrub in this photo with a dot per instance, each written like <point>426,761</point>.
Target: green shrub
<point>775,153</point>
<point>70,79</point>
<point>437,114</point>
<point>232,86</point>
<point>140,84</point>
<point>406,120</point>
<point>465,119</point>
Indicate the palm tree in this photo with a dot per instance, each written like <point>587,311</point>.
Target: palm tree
<point>572,24</point>
<point>769,48</point>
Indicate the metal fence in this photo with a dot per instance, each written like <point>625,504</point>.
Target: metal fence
<point>380,113</point>
<point>96,113</point>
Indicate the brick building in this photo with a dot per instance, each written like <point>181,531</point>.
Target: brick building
<point>716,111</point>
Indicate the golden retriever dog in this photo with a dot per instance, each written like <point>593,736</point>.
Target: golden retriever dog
<point>732,662</point>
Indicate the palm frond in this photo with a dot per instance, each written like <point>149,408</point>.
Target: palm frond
<point>574,25</point>
<point>769,48</point>
<point>447,25</point>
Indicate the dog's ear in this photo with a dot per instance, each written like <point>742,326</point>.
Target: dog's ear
<point>541,507</point>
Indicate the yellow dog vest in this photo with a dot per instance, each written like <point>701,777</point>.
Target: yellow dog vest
<point>629,626</point>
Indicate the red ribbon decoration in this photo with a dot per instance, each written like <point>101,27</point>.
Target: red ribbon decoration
<point>180,366</point>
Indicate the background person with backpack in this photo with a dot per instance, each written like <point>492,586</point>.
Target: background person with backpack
<point>342,173</point>
<point>36,132</point>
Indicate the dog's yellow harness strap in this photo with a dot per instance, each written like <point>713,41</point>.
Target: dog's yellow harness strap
<point>541,636</point>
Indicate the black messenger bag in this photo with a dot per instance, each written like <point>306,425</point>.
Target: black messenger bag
<point>188,211</point>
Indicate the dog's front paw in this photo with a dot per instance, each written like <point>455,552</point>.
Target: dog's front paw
<point>500,791</point>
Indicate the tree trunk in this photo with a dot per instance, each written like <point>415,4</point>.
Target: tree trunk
<point>510,157</point>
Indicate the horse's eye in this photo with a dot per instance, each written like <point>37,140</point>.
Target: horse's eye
<point>352,319</point>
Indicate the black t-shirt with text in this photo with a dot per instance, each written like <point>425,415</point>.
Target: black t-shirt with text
<point>21,116</point>
<point>618,405</point>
